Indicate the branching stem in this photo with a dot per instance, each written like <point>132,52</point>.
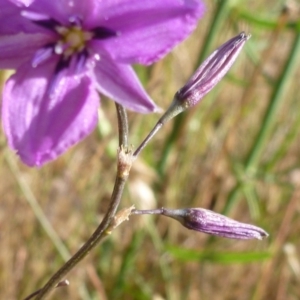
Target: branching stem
<point>123,169</point>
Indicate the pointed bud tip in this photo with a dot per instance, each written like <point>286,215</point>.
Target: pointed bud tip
<point>262,234</point>
<point>245,36</point>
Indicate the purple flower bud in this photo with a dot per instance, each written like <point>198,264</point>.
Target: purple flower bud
<point>207,221</point>
<point>211,71</point>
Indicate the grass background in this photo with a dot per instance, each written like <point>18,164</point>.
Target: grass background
<point>236,153</point>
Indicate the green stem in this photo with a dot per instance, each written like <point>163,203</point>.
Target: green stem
<point>276,99</point>
<point>35,206</point>
<point>122,125</point>
<point>286,145</point>
<point>214,27</point>
<point>269,119</point>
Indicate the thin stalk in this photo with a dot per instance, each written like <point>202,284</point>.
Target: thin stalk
<point>286,145</point>
<point>174,109</point>
<point>91,243</point>
<point>144,143</point>
<point>269,119</point>
<point>276,100</point>
<point>214,28</point>
<point>122,125</point>
<point>38,212</point>
<point>60,284</point>
<point>40,215</point>
<point>158,211</point>
<point>100,232</point>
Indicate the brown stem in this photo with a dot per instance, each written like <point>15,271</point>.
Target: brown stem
<point>90,243</point>
<point>122,125</point>
<point>124,165</point>
<point>60,284</point>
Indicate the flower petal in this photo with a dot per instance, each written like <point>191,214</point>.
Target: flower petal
<point>11,21</point>
<point>18,48</point>
<point>147,29</point>
<point>120,83</point>
<point>62,10</point>
<point>41,127</point>
<point>22,3</point>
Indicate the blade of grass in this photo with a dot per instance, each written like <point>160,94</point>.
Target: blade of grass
<point>128,259</point>
<point>187,255</point>
<point>291,136</point>
<point>36,208</point>
<point>268,120</point>
<point>163,263</point>
<point>38,212</point>
<point>262,21</point>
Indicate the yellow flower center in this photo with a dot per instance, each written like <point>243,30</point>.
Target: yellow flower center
<point>73,40</point>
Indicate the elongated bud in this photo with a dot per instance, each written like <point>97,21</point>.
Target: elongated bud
<point>207,221</point>
<point>210,72</point>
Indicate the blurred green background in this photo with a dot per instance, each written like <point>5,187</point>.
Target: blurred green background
<point>237,153</point>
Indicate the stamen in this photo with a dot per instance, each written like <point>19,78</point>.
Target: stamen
<point>59,48</point>
<point>42,55</point>
<point>34,16</point>
<point>73,40</point>
<point>62,30</point>
<point>70,45</point>
<point>81,60</point>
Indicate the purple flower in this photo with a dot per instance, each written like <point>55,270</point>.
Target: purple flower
<point>66,51</point>
<point>207,221</point>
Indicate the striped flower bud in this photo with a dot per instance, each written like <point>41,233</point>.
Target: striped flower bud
<point>209,222</point>
<point>210,72</point>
